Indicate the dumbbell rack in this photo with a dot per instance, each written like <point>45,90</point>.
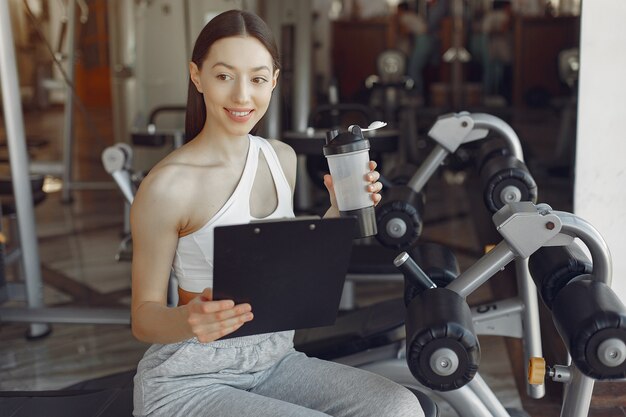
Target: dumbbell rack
<point>525,229</point>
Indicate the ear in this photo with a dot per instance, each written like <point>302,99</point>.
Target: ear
<point>275,78</point>
<point>194,74</point>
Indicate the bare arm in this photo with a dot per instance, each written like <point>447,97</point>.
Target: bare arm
<point>156,220</point>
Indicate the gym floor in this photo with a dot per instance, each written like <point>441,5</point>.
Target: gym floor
<point>78,242</point>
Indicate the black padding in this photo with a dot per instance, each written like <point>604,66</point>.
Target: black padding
<point>152,140</point>
<point>6,192</point>
<point>489,149</point>
<point>108,396</point>
<point>503,171</point>
<point>552,268</point>
<point>428,406</point>
<point>586,313</point>
<point>119,380</point>
<point>372,259</point>
<point>440,318</point>
<point>101,403</point>
<point>437,261</point>
<point>367,328</point>
<point>36,184</point>
<point>403,203</point>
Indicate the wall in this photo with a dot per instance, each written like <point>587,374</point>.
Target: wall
<point>600,186</point>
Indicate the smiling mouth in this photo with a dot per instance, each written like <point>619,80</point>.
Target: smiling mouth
<point>240,113</point>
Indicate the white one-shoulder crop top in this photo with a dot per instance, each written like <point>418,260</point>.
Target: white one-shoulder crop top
<point>193,262</point>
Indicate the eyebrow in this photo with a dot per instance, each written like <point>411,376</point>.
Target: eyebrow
<point>230,67</point>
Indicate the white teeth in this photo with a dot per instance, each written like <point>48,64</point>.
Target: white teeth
<point>240,113</point>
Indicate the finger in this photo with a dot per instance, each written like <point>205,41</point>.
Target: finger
<point>375,188</point>
<point>202,322</point>
<point>207,294</point>
<point>223,313</point>
<point>376,198</point>
<point>372,176</point>
<point>373,165</point>
<point>200,305</point>
<point>328,181</point>
<point>208,307</point>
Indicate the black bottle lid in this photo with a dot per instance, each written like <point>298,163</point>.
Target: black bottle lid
<point>345,142</point>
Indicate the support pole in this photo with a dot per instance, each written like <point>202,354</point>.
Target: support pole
<point>578,393</point>
<point>68,121</point>
<point>531,324</point>
<point>272,118</point>
<point>302,95</point>
<point>18,157</point>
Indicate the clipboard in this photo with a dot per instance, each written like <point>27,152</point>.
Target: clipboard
<point>291,271</point>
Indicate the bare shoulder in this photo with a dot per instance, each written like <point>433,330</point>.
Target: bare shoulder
<point>283,150</point>
<point>173,178</point>
<point>165,192</point>
<point>164,180</point>
<point>287,158</point>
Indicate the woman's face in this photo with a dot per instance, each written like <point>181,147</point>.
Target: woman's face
<point>236,80</point>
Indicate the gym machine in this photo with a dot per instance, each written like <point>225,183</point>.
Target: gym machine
<point>442,350</point>
<point>504,175</point>
<point>32,288</point>
<point>505,179</point>
<point>64,168</point>
<point>399,214</point>
<point>590,319</point>
<point>372,337</point>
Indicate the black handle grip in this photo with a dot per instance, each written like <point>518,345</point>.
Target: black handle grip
<point>413,272</point>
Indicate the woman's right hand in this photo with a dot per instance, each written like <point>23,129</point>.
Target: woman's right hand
<point>211,320</point>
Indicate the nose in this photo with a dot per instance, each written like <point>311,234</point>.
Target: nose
<point>241,91</point>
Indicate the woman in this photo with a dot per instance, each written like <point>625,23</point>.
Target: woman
<point>224,175</point>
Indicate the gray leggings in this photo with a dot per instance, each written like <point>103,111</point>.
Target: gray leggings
<point>260,376</point>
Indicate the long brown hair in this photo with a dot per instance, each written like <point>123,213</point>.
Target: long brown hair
<point>224,25</point>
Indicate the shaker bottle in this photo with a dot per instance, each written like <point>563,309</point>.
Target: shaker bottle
<point>348,159</point>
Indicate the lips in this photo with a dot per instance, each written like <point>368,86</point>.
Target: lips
<point>240,115</point>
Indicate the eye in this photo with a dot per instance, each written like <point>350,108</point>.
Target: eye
<point>259,80</point>
<point>224,77</point>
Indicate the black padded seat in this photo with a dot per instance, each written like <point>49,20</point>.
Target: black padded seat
<point>429,406</point>
<point>6,192</point>
<point>122,380</point>
<point>355,331</point>
<point>112,402</point>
